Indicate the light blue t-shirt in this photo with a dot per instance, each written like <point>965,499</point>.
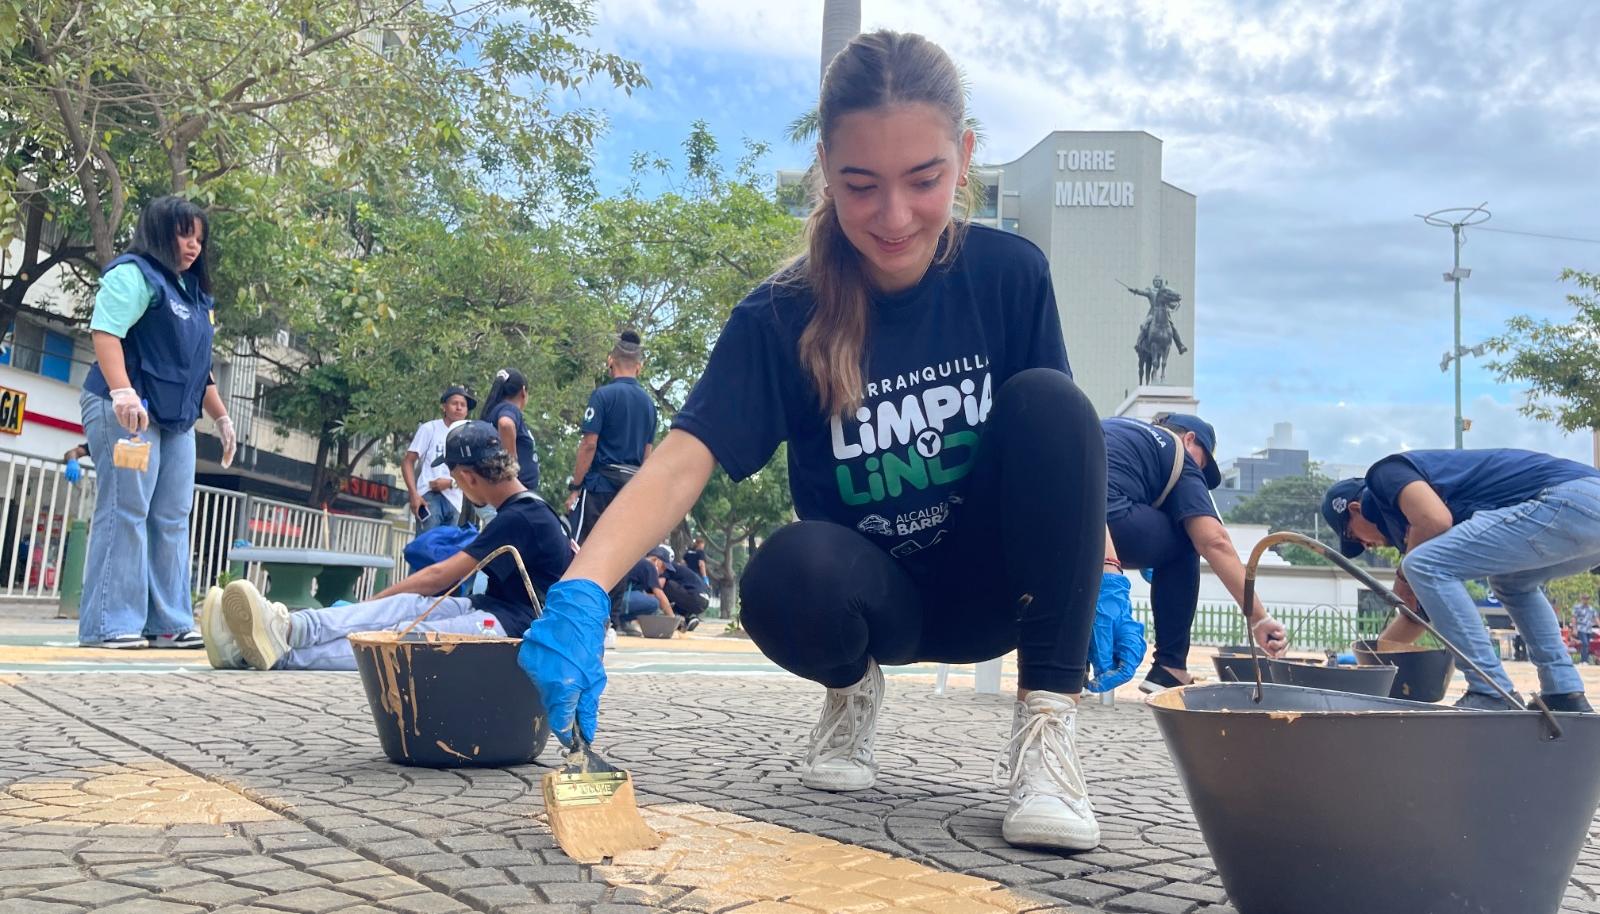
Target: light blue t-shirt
<point>123,297</point>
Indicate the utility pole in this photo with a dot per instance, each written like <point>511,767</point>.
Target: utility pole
<point>1456,219</point>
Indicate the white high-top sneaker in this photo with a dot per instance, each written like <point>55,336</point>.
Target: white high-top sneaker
<point>260,628</point>
<point>1049,801</point>
<point>841,745</point>
<point>222,649</point>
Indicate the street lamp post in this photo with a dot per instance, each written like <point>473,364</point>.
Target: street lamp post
<point>1456,219</point>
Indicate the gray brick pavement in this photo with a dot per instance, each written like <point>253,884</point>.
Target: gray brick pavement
<point>359,834</point>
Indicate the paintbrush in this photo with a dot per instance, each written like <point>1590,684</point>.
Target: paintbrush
<point>592,809</point>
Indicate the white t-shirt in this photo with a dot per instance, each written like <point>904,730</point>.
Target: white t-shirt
<point>428,445</point>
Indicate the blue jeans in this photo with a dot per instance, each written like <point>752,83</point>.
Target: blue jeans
<point>136,577</point>
<point>440,512</point>
<point>636,604</point>
<point>1519,548</point>
<point>317,636</point>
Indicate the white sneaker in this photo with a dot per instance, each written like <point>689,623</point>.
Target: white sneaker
<point>260,628</point>
<point>840,757</point>
<point>611,638</point>
<point>1049,801</point>
<point>222,649</point>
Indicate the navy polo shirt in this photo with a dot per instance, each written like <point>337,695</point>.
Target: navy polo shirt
<point>936,354</point>
<point>1466,481</point>
<point>622,416</point>
<point>1138,465</point>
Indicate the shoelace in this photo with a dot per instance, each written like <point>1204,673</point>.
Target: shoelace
<point>1057,755</point>
<point>847,714</point>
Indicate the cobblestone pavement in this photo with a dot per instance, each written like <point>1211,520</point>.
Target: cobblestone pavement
<point>259,793</point>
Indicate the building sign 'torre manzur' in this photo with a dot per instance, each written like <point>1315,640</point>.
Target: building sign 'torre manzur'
<point>1090,192</point>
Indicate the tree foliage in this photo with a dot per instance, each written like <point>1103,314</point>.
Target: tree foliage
<point>1557,361</point>
<point>1290,503</point>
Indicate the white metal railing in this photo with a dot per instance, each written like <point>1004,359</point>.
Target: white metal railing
<point>38,505</point>
<point>36,508</point>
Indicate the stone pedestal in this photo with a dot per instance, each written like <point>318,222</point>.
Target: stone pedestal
<point>1150,400</point>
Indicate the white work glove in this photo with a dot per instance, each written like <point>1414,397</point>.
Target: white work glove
<point>1272,637</point>
<point>230,440</point>
<point>131,414</point>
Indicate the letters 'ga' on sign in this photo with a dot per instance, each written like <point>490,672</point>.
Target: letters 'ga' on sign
<point>13,406</point>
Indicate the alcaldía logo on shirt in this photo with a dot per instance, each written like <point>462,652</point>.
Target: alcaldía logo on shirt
<point>916,439</point>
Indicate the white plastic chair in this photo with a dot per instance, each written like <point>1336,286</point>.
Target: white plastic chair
<point>985,677</point>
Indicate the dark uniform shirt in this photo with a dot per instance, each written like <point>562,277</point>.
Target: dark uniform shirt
<point>936,354</point>
<point>623,418</point>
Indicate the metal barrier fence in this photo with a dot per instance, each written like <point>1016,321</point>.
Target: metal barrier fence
<point>1311,628</point>
<point>38,507</point>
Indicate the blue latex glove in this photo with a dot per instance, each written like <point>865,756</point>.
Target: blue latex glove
<point>74,471</point>
<point>1118,646</point>
<point>1149,575</point>
<point>561,654</point>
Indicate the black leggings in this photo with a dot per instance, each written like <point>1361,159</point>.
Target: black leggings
<point>1019,567</point>
<point>1147,538</point>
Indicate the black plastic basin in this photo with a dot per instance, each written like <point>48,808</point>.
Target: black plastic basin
<point>1359,680</point>
<point>1319,802</point>
<point>1423,673</point>
<point>450,701</point>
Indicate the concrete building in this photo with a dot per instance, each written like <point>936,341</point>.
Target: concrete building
<point>1245,476</point>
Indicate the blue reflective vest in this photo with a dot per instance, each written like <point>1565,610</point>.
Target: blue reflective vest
<point>167,351</point>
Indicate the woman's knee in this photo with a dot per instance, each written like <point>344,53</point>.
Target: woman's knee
<point>797,563</point>
<point>1046,394</point>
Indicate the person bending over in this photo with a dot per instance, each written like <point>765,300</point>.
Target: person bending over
<point>245,630</point>
<point>1161,517</point>
<point>1519,518</point>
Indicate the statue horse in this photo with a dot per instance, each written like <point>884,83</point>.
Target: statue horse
<point>1155,341</point>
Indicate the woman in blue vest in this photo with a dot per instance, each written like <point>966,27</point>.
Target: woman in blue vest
<point>152,329</point>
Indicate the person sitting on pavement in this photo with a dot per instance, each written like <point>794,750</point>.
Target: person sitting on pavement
<point>434,497</point>
<point>1160,515</point>
<point>1519,518</point>
<point>915,366</point>
<point>684,589</point>
<point>262,635</point>
<point>641,596</point>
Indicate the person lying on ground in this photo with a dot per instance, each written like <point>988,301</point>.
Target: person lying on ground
<point>244,630</point>
<point>1519,518</point>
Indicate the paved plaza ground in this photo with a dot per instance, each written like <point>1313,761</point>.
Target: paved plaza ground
<point>146,784</point>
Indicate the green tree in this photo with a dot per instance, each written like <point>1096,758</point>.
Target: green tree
<point>109,104</point>
<point>733,516</point>
<point>1557,361</point>
<point>1290,503</point>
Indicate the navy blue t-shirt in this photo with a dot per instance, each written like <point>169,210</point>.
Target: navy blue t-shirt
<point>527,457</point>
<point>642,578</point>
<point>1138,465</point>
<point>692,559</point>
<point>690,580</point>
<point>936,353</point>
<point>1466,481</point>
<point>622,416</point>
<point>533,528</point>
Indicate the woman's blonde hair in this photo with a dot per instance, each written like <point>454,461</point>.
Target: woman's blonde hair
<point>875,70</point>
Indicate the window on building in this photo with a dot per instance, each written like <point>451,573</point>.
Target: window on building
<point>30,347</point>
<point>988,202</point>
<point>1009,225</point>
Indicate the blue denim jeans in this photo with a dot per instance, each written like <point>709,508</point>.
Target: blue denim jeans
<point>317,636</point>
<point>136,578</point>
<point>440,512</point>
<point>636,604</point>
<point>1519,548</point>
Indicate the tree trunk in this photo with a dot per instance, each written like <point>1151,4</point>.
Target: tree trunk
<point>725,579</point>
<point>319,477</point>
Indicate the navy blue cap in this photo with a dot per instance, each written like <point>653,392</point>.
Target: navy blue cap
<point>1336,511</point>
<point>470,442</point>
<point>452,390</point>
<point>1204,434</point>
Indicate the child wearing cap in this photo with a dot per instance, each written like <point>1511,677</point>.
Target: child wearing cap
<point>247,631</point>
<point>1161,517</point>
<point>1519,518</point>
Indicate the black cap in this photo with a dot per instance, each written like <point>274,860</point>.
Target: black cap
<point>470,442</point>
<point>662,553</point>
<point>452,390</point>
<point>1204,434</point>
<point>1336,511</point>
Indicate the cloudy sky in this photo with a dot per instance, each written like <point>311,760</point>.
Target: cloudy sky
<point>1311,133</point>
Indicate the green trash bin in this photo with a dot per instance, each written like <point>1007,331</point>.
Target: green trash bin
<point>73,551</point>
